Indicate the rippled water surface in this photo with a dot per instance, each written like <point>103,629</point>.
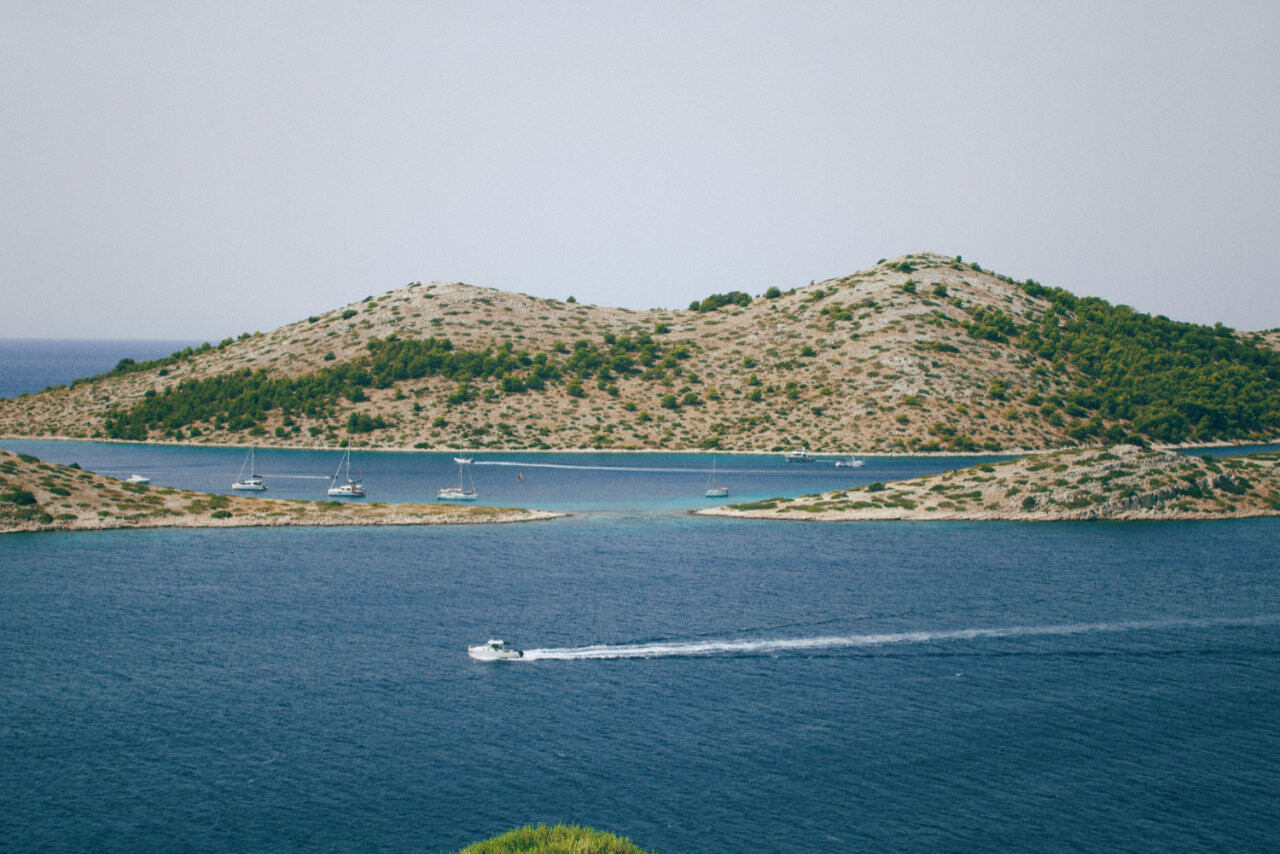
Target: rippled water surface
<point>699,685</point>
<point>767,687</point>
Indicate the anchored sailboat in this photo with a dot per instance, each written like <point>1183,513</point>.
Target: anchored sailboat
<point>350,489</point>
<point>460,492</point>
<point>714,490</point>
<point>252,482</point>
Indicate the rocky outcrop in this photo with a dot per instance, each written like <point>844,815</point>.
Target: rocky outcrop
<point>1120,482</point>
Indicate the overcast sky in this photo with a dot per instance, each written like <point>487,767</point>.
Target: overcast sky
<point>196,170</point>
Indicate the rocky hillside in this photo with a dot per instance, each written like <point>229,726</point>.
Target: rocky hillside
<point>40,496</point>
<point>1123,482</point>
<point>920,353</point>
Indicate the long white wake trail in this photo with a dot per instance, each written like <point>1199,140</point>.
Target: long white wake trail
<point>669,649</point>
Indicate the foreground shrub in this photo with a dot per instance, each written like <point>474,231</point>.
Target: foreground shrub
<point>561,839</point>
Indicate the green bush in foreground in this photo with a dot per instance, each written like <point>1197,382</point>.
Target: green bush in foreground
<point>561,839</point>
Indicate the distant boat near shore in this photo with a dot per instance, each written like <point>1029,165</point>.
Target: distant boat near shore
<point>252,482</point>
<point>714,490</point>
<point>466,489</point>
<point>349,489</point>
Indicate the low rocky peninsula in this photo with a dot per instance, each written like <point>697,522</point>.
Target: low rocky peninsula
<point>1120,482</point>
<point>41,496</point>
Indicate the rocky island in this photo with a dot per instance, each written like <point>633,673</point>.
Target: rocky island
<point>40,496</point>
<point>919,354</point>
<point>1119,482</point>
<point>923,353</point>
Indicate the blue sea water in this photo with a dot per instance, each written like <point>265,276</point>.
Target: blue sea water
<point>699,685</point>
<point>29,365</point>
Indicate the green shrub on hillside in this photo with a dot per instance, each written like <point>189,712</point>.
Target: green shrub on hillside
<point>715,301</point>
<point>1174,381</point>
<point>241,400</point>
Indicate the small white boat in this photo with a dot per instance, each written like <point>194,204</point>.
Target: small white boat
<point>452,493</point>
<point>460,492</point>
<point>714,490</point>
<point>851,463</point>
<point>494,650</point>
<point>137,478</point>
<point>800,456</point>
<point>350,489</point>
<point>252,482</point>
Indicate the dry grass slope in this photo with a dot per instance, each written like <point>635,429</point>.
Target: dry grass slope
<point>877,361</point>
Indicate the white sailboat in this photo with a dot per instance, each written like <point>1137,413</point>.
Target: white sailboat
<point>349,489</point>
<point>253,482</point>
<point>713,489</point>
<point>460,492</point>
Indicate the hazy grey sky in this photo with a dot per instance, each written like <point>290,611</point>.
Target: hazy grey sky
<point>196,169</point>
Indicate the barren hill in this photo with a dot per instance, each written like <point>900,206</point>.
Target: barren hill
<point>920,353</point>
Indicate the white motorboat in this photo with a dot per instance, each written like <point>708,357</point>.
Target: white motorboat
<point>800,456</point>
<point>851,463</point>
<point>137,478</point>
<point>713,489</point>
<point>252,482</point>
<point>494,650</point>
<point>350,489</point>
<point>461,492</point>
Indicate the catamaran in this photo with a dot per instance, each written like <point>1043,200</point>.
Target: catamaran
<point>713,490</point>
<point>252,482</point>
<point>350,489</point>
<point>800,456</point>
<point>460,492</point>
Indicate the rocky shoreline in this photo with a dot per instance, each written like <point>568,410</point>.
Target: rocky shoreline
<point>1124,482</point>
<point>40,496</point>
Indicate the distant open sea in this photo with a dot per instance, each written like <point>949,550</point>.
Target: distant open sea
<point>28,365</point>
<point>699,685</point>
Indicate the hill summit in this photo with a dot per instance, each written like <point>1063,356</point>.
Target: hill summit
<point>921,353</point>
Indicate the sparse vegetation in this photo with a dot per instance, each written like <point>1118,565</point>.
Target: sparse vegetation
<point>38,496</point>
<point>1125,482</point>
<point>859,356</point>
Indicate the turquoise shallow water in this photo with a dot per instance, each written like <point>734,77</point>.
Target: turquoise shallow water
<point>583,483</point>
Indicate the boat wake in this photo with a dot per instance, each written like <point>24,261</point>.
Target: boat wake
<point>672,649</point>
<point>584,468</point>
<point>779,472</point>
